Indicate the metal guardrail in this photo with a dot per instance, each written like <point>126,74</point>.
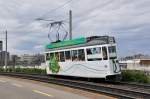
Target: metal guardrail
<point>88,86</point>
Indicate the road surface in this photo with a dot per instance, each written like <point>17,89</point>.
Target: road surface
<point>17,88</point>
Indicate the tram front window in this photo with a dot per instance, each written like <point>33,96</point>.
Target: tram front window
<point>112,52</point>
<point>104,50</point>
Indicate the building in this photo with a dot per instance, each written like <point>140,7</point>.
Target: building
<point>2,58</point>
<point>27,57</point>
<point>137,56</point>
<point>135,64</point>
<point>1,46</point>
<point>31,60</point>
<point>14,60</point>
<point>26,60</point>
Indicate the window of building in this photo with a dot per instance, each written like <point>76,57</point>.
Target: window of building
<point>104,50</point>
<point>94,54</point>
<point>67,55</point>
<point>81,55</point>
<point>62,57</point>
<point>74,55</point>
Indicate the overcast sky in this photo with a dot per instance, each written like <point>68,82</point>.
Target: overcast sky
<point>127,20</point>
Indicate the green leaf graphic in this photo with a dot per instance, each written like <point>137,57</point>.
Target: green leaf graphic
<point>54,65</point>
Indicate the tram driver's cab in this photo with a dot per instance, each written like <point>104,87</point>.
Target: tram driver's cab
<point>113,59</point>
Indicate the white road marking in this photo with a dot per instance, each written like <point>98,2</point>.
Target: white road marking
<point>17,85</point>
<point>39,92</point>
<point>3,81</point>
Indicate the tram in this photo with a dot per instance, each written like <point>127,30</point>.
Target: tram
<point>91,57</point>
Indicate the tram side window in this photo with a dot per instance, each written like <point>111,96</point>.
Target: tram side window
<point>51,55</point>
<point>93,50</point>
<point>62,57</point>
<point>104,50</point>
<point>67,55</point>
<point>81,55</point>
<point>74,55</point>
<point>57,56</point>
<point>89,51</point>
<point>94,54</point>
<point>47,56</point>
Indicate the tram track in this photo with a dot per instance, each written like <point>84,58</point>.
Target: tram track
<point>129,86</point>
<point>121,90</point>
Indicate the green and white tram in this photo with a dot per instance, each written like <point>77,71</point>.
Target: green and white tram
<point>92,57</point>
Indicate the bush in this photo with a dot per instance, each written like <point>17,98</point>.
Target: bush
<point>24,70</point>
<point>30,70</point>
<point>134,76</point>
<point>1,69</point>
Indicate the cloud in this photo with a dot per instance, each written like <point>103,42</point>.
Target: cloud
<point>127,20</point>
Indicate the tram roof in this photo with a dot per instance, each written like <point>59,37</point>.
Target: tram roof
<point>80,42</point>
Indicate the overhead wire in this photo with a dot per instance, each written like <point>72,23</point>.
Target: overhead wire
<point>35,19</point>
<point>61,6</point>
<point>41,18</point>
<point>63,26</point>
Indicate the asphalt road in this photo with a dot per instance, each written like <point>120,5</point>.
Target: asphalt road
<point>16,88</point>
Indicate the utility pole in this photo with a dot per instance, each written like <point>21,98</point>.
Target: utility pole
<point>70,24</point>
<point>6,51</point>
<point>1,50</point>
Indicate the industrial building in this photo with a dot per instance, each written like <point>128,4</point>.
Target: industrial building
<point>136,64</point>
<point>2,58</point>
